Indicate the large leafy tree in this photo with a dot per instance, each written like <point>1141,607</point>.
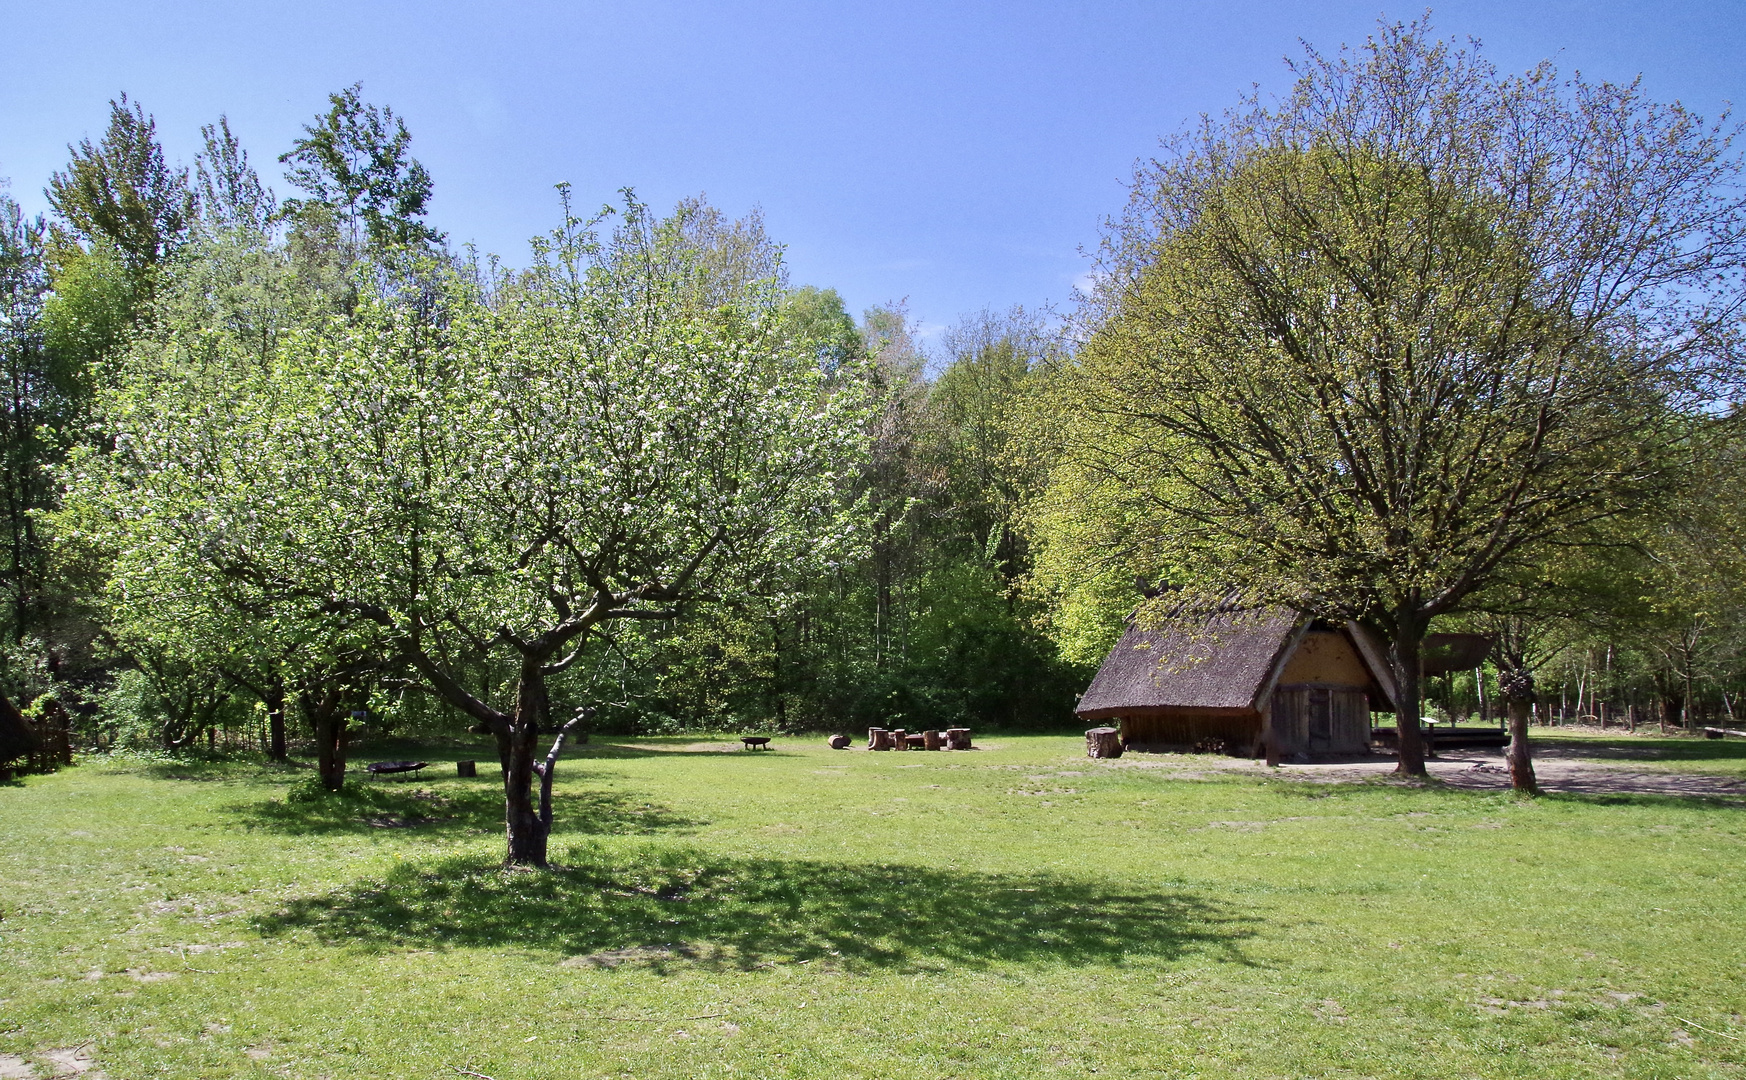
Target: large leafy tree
<point>1366,351</point>
<point>466,470</point>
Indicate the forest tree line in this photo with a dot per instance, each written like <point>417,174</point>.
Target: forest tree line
<point>157,295</point>
<point>1383,351</point>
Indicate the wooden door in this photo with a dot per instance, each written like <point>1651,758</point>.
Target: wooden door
<point>1321,721</point>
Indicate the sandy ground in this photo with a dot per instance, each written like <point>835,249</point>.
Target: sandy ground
<point>1557,769</point>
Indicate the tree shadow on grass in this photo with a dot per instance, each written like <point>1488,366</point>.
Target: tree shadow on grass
<point>1665,790</point>
<point>451,808</point>
<point>669,909</point>
<point>1641,748</point>
<point>716,748</point>
<point>1649,800</point>
<point>204,766</point>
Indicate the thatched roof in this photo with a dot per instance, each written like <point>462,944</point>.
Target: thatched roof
<point>1228,660</point>
<point>1221,661</point>
<point>17,738</point>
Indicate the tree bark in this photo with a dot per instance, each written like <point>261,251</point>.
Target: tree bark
<point>329,722</point>
<point>1519,693</point>
<point>1672,711</point>
<point>276,721</point>
<point>527,832</point>
<point>1405,652</point>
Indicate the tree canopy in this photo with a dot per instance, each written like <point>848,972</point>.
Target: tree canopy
<point>1360,352</point>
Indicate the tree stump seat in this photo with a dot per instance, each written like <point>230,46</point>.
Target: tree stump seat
<point>389,768</point>
<point>899,739</point>
<point>755,742</point>
<point>1103,742</point>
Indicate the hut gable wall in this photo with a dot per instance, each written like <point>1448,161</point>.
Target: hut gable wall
<point>1375,656</point>
<point>1325,658</point>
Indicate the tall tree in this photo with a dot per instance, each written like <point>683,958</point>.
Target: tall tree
<point>119,191</point>
<point>32,385</point>
<point>353,161</point>
<point>1363,352</point>
<point>230,192</point>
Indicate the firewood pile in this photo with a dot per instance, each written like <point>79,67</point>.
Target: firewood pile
<point>957,738</point>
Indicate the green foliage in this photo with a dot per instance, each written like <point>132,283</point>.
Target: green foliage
<point>131,713</point>
<point>231,195</point>
<point>353,159</point>
<point>818,318</point>
<point>88,319</point>
<point>121,193</point>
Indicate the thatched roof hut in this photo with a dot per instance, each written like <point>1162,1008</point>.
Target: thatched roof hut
<point>17,737</point>
<point>1229,675</point>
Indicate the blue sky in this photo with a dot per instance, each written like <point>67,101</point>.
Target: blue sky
<point>957,154</point>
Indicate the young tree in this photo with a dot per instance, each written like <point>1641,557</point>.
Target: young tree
<point>1362,352</point>
<point>230,192</point>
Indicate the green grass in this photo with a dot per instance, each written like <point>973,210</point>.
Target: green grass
<point>1017,911</point>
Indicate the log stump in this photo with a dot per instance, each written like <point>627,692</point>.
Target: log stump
<point>899,740</point>
<point>958,738</point>
<point>933,740</point>
<point>466,768</point>
<point>879,739</point>
<point>1103,742</point>
<point>838,742</point>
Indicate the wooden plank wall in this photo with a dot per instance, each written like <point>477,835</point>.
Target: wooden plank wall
<point>1185,728</point>
<point>1321,719</point>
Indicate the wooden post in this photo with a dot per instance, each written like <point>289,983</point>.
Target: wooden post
<point>932,740</point>
<point>899,739</point>
<point>466,768</point>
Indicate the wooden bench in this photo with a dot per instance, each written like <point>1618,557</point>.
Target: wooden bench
<point>753,742</point>
<point>385,768</point>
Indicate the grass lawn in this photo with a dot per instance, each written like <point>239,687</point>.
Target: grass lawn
<point>1016,911</point>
